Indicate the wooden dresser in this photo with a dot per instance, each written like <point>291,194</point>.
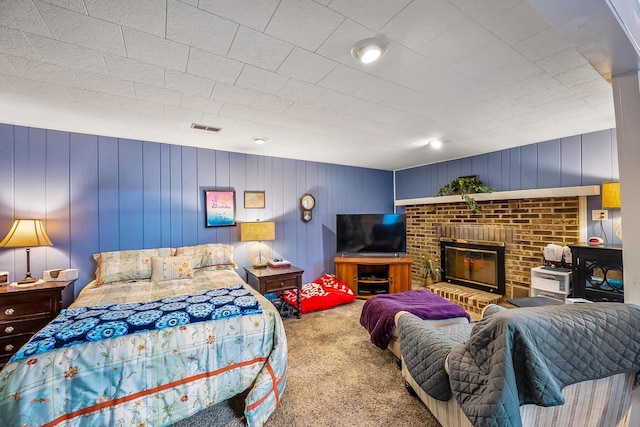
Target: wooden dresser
<point>24,311</point>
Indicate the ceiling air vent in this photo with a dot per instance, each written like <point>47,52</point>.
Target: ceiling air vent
<point>205,127</point>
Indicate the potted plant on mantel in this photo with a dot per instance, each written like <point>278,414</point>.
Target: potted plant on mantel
<point>464,186</point>
<point>430,269</point>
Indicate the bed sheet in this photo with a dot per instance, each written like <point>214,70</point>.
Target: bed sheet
<point>153,378</point>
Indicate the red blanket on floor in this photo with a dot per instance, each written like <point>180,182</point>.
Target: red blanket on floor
<point>324,292</point>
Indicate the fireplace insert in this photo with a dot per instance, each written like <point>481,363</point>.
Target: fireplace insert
<point>474,264</point>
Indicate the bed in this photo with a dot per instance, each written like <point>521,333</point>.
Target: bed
<point>164,370</point>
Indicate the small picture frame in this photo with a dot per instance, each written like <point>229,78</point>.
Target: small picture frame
<point>254,200</point>
<point>220,207</point>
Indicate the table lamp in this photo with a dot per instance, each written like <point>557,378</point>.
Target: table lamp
<point>26,233</point>
<point>259,231</point>
<point>611,200</point>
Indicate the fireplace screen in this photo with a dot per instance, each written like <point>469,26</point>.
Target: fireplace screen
<point>478,265</point>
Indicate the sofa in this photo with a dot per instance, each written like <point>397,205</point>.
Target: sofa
<point>561,365</point>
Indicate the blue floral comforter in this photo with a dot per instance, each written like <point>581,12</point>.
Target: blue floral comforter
<point>79,373</point>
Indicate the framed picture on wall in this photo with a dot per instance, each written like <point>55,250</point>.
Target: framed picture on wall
<point>254,200</point>
<point>220,207</point>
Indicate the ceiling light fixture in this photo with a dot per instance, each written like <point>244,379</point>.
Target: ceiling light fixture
<point>436,143</point>
<point>369,50</point>
<point>260,139</point>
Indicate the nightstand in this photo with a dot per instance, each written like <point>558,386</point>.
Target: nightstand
<point>267,280</point>
<point>24,311</point>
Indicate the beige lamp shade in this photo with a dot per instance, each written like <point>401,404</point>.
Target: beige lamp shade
<point>259,254</point>
<point>611,195</point>
<point>26,233</point>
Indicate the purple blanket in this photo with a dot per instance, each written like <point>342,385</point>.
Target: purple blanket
<point>378,313</point>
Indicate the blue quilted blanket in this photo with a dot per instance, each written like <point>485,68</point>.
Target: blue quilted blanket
<point>76,326</point>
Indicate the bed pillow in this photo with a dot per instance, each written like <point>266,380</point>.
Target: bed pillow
<point>210,256</point>
<point>320,296</point>
<point>121,266</point>
<point>170,268</point>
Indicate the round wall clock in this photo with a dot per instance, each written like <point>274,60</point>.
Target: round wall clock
<point>307,201</point>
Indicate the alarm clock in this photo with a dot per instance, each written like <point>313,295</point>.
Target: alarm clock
<point>4,278</point>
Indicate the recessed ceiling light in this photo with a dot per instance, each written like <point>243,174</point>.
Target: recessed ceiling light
<point>436,143</point>
<point>369,50</point>
<point>260,139</point>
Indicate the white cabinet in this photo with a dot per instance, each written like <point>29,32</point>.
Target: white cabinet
<point>551,282</point>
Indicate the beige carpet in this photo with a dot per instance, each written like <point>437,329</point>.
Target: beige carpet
<point>336,378</point>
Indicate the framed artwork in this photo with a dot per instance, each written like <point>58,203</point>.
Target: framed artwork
<point>220,207</point>
<point>254,199</point>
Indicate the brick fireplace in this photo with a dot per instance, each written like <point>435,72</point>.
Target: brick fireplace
<point>524,225</point>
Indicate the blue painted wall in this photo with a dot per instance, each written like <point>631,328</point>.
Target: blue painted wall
<point>104,194</point>
<point>588,159</point>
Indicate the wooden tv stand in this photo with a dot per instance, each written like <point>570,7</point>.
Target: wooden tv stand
<point>370,276</point>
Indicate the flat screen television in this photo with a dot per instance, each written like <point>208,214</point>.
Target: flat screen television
<point>384,234</point>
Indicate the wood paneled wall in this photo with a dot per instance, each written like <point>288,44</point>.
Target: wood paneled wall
<point>588,159</point>
<point>101,194</point>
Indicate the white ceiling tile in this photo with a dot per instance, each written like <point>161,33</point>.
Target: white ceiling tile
<point>458,42</point>
<point>377,90</point>
<point>306,66</point>
<point>517,23</point>
<point>546,96</point>
<point>157,94</point>
<point>239,111</point>
<point>578,76</point>
<point>101,83</point>
<point>271,118</point>
<point>531,86</point>
<point>561,105</point>
<point>260,80</point>
<point>6,68</point>
<point>44,72</point>
<point>69,55</point>
<point>439,78</point>
<point>142,106</point>
<point>36,88</point>
<point>255,48</point>
<point>492,57</point>
<point>596,89</point>
<point>83,30</point>
<point>188,84</point>
<point>373,14</point>
<point>134,71</point>
<point>219,68</point>
<point>233,94</point>
<point>489,107</point>
<point>344,80</point>
<point>271,103</point>
<point>541,45</point>
<point>94,98</point>
<point>513,72</point>
<point>201,104</point>
<point>397,59</point>
<point>182,114</point>
<point>563,61</point>
<point>144,47</point>
<point>422,21</point>
<point>250,13</point>
<point>473,96</point>
<point>484,10</point>
<point>300,91</point>
<point>199,28</point>
<point>149,16</point>
<point>74,5</point>
<point>14,43</point>
<point>304,23</point>
<point>22,15</point>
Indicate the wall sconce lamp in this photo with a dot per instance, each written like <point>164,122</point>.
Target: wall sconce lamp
<point>259,231</point>
<point>26,233</point>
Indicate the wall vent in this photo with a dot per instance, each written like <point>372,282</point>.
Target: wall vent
<point>205,127</point>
